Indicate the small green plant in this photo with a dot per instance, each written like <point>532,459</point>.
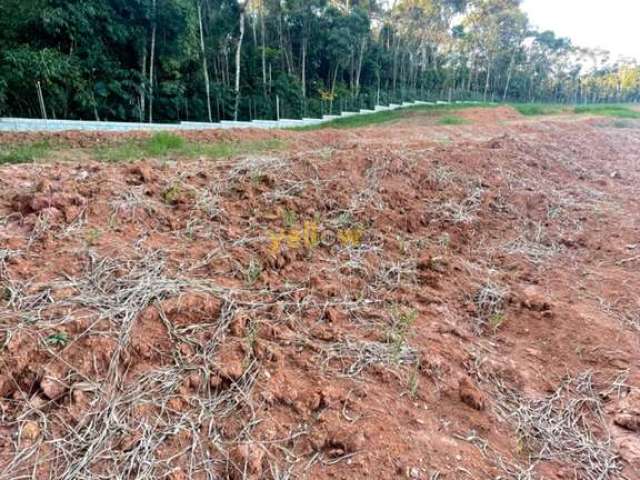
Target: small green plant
<point>289,218</point>
<point>402,321</point>
<point>251,336</point>
<point>172,194</point>
<point>496,320</point>
<point>253,272</point>
<point>5,294</point>
<point>58,339</point>
<point>257,177</point>
<point>442,175</point>
<point>444,240</point>
<point>438,264</point>
<point>92,236</point>
<point>406,319</point>
<point>451,120</point>
<point>490,301</point>
<point>403,245</point>
<point>344,220</point>
<point>413,382</point>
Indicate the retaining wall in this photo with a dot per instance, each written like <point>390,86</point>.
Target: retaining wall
<point>39,125</point>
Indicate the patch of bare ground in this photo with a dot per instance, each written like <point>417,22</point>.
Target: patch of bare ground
<point>370,304</point>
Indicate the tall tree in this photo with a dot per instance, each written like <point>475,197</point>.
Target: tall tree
<point>241,22</point>
<point>149,59</point>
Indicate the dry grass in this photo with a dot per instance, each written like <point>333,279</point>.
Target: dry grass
<point>355,356</point>
<point>117,292</point>
<point>569,425</point>
<point>535,244</point>
<point>463,211</point>
<point>490,302</point>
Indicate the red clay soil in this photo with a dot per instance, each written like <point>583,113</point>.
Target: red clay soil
<point>469,311</point>
<point>497,114</point>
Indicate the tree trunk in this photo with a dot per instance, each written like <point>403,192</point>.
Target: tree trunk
<point>154,28</point>
<point>284,47</point>
<point>471,72</point>
<point>264,47</point>
<point>509,72</point>
<point>303,74</point>
<point>487,82</point>
<point>205,69</point>
<point>363,46</point>
<point>143,106</point>
<point>333,88</point>
<point>243,8</point>
<point>395,64</point>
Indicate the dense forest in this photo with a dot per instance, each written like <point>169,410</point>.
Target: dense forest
<point>206,60</point>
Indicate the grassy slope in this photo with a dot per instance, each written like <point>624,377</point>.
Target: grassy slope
<point>160,145</point>
<point>163,144</point>
<point>618,111</point>
<point>392,115</point>
<point>608,110</point>
<point>24,153</point>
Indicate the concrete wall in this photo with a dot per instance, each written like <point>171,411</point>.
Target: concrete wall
<point>38,125</point>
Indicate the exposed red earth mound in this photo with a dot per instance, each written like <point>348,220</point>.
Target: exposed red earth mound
<point>412,302</point>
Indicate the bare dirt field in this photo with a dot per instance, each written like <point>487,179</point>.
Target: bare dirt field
<point>400,301</point>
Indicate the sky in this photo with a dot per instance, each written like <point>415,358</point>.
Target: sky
<point>610,24</point>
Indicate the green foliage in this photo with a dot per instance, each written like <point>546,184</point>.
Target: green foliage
<point>5,294</point>
<point>26,153</point>
<point>93,235</point>
<point>608,110</point>
<point>58,339</point>
<point>496,320</point>
<point>92,59</point>
<point>162,145</point>
<point>253,272</point>
<point>413,382</point>
<point>159,145</point>
<point>358,121</point>
<point>172,194</point>
<point>394,115</point>
<point>251,337</point>
<point>402,322</point>
<point>128,151</point>
<point>535,109</point>
<point>289,218</point>
<point>451,120</point>
<point>618,111</point>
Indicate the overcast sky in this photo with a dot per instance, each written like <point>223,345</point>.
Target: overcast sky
<point>610,24</point>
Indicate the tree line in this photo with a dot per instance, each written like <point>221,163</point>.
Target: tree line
<point>207,60</point>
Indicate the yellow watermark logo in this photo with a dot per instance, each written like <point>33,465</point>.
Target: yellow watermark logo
<point>311,235</point>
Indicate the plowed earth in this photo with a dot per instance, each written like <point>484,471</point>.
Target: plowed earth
<point>485,325</point>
